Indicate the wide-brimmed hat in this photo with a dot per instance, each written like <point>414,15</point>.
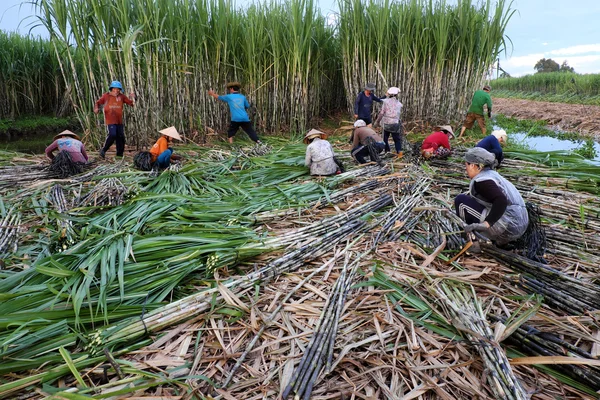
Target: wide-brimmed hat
<point>313,133</point>
<point>487,88</point>
<point>500,134</point>
<point>171,132</point>
<point>370,86</point>
<point>446,128</point>
<point>359,123</point>
<point>232,84</point>
<point>393,90</point>
<point>66,133</point>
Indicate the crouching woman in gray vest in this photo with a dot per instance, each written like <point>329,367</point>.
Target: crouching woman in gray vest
<point>493,206</point>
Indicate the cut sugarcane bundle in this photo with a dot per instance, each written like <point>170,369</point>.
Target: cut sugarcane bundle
<point>465,310</point>
<point>107,192</point>
<point>319,352</point>
<point>9,232</point>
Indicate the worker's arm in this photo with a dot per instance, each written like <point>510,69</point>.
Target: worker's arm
<point>50,149</point>
<point>491,193</point>
<point>213,94</point>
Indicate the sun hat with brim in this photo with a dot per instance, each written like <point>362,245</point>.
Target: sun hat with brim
<point>313,133</point>
<point>446,128</point>
<point>370,86</point>
<point>232,84</point>
<point>171,132</point>
<point>500,134</point>
<point>393,90</point>
<point>66,133</point>
<point>479,155</point>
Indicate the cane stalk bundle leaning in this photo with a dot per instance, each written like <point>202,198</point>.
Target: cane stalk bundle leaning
<point>9,232</point>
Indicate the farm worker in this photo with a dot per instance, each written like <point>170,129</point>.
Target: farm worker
<point>389,118</point>
<point>363,106</point>
<point>113,102</point>
<point>493,143</point>
<point>475,112</point>
<point>365,142</point>
<point>69,142</point>
<point>319,154</point>
<point>437,145</point>
<point>493,207</point>
<point>238,104</point>
<point>161,152</point>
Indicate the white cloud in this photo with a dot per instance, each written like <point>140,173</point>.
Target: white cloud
<point>579,49</point>
<point>545,44</point>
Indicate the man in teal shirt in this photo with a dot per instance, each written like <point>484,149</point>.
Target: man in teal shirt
<point>475,112</point>
<point>238,104</point>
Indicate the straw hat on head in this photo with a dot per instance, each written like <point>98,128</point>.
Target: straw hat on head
<point>446,128</point>
<point>232,84</point>
<point>171,132</point>
<point>393,91</point>
<point>66,133</point>
<point>313,133</point>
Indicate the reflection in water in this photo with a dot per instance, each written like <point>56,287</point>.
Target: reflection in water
<point>546,143</point>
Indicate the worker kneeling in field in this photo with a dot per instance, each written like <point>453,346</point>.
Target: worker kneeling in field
<point>161,152</point>
<point>320,157</point>
<point>493,207</point>
<point>437,145</point>
<point>71,155</point>
<point>493,143</point>
<point>366,142</point>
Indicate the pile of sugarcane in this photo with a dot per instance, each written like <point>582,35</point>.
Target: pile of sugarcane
<point>9,231</point>
<point>63,166</point>
<point>107,192</point>
<point>572,295</point>
<point>468,317</point>
<point>318,355</point>
<point>143,161</point>
<point>259,149</point>
<point>66,232</point>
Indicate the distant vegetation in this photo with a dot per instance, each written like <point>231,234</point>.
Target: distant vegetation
<point>562,87</point>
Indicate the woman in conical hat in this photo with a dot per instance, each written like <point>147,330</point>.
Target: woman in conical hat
<point>161,152</point>
<point>319,154</point>
<point>69,142</point>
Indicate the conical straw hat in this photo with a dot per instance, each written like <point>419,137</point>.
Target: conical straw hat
<point>172,132</point>
<point>66,133</point>
<point>313,133</point>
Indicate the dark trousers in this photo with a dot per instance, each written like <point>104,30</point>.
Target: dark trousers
<point>360,152</point>
<point>116,133</point>
<point>397,136</point>
<point>246,126</point>
<point>468,209</point>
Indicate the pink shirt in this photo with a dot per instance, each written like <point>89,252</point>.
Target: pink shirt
<point>73,146</point>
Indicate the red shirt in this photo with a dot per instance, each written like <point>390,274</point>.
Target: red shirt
<point>435,140</point>
<point>113,107</point>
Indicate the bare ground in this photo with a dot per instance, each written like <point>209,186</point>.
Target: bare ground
<point>581,118</point>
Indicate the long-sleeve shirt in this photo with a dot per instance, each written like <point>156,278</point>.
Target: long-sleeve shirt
<point>490,192</point>
<point>390,112</point>
<point>480,98</point>
<point>238,104</point>
<point>161,145</point>
<point>319,158</point>
<point>491,144</point>
<point>363,105</point>
<point>435,140</point>
<point>360,134</point>
<point>75,148</point>
<point>113,107</point>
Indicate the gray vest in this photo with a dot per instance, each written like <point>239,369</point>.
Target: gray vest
<point>515,220</point>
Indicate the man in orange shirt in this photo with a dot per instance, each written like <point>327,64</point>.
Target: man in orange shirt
<point>161,153</point>
<point>113,116</point>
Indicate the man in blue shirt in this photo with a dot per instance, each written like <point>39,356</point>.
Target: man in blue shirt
<point>493,143</point>
<point>363,106</point>
<point>238,104</point>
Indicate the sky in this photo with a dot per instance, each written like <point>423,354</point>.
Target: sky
<point>558,29</point>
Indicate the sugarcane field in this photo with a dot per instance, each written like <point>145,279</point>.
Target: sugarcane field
<point>266,202</point>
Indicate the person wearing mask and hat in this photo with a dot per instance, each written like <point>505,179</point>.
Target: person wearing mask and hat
<point>389,118</point>
<point>238,104</point>
<point>475,111</point>
<point>69,142</point>
<point>493,207</point>
<point>366,142</point>
<point>319,154</point>
<point>493,143</point>
<point>113,102</point>
<point>437,145</point>
<point>363,106</point>
<point>162,153</point>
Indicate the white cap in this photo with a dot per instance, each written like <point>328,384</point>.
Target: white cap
<point>501,135</point>
<point>359,123</point>
<point>393,90</point>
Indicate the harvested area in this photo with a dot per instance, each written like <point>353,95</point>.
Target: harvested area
<point>581,118</point>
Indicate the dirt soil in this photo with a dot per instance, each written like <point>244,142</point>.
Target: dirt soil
<point>580,118</point>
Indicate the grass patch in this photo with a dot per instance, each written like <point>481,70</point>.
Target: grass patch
<point>32,123</point>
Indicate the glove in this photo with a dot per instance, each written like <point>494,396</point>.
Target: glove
<point>489,114</point>
<point>480,226</point>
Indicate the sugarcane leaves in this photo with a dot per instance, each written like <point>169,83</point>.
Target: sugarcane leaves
<point>515,320</point>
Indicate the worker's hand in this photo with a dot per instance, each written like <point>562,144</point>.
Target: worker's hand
<point>489,114</point>
<point>132,95</point>
<point>96,110</point>
<point>480,226</point>
<point>355,116</point>
<point>211,92</point>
